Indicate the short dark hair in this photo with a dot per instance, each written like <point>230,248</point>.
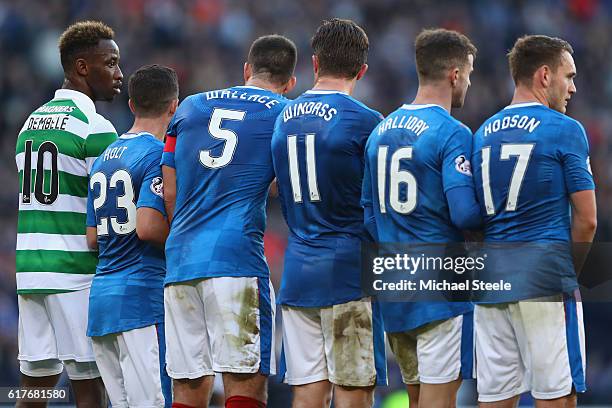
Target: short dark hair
<point>438,50</point>
<point>80,37</point>
<point>274,56</point>
<point>341,47</point>
<point>151,88</point>
<point>530,52</point>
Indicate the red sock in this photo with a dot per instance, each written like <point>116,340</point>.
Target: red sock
<point>179,405</point>
<point>238,401</point>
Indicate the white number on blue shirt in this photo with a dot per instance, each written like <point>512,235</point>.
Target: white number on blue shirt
<point>396,177</point>
<point>523,153</point>
<point>311,169</point>
<point>125,201</point>
<point>216,131</point>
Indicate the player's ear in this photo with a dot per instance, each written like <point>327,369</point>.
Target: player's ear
<point>247,71</point>
<point>545,75</point>
<point>362,71</point>
<point>454,76</point>
<point>80,66</point>
<point>290,84</point>
<point>131,105</point>
<point>173,106</point>
<point>315,64</point>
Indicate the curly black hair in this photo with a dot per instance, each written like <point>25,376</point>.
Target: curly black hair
<point>81,37</point>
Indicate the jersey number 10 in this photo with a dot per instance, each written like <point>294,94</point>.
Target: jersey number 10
<point>39,192</point>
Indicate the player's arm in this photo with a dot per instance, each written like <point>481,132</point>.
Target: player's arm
<point>92,238</point>
<point>369,220</point>
<point>458,181</point>
<point>464,208</point>
<point>581,188</point>
<point>584,216</point>
<point>151,223</point>
<point>169,176</point>
<point>168,169</point>
<point>151,226</point>
<point>91,232</point>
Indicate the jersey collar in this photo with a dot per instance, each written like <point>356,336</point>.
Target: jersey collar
<point>250,87</point>
<point>420,106</point>
<point>83,101</point>
<point>134,135</point>
<point>324,92</point>
<point>523,105</point>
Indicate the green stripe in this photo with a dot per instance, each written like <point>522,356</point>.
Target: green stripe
<point>68,183</point>
<point>42,291</point>
<point>77,113</point>
<point>51,222</point>
<point>98,142</point>
<point>56,261</point>
<point>67,143</point>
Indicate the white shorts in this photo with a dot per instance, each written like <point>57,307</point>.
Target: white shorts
<point>221,324</point>
<point>130,367</point>
<point>342,343</point>
<point>436,353</point>
<point>52,328</point>
<point>529,346</point>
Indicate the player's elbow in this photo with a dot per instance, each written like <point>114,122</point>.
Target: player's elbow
<point>589,224</point>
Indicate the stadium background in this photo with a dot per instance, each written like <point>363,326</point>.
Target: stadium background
<point>206,41</point>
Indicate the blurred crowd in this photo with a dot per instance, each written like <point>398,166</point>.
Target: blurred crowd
<point>206,42</point>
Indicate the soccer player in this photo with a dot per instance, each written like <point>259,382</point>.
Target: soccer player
<point>531,168</point>
<point>55,149</point>
<point>217,169</point>
<point>332,332</point>
<point>418,188</point>
<point>126,223</point>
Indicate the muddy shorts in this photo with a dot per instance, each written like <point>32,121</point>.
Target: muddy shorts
<point>221,324</point>
<point>342,343</point>
<point>435,353</point>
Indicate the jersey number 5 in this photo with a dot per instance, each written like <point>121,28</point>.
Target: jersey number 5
<point>125,201</point>
<point>523,152</point>
<point>229,136</point>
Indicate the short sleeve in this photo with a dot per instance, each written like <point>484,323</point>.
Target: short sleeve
<point>575,158</point>
<point>456,156</point>
<point>152,188</point>
<point>101,134</point>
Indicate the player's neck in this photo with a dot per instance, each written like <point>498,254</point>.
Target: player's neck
<point>74,86</point>
<point>432,94</point>
<point>262,83</point>
<point>526,95</point>
<point>155,126</point>
<point>327,83</point>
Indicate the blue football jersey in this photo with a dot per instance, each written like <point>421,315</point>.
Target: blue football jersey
<point>127,290</point>
<point>219,144</point>
<point>317,149</point>
<point>413,158</point>
<point>528,159</point>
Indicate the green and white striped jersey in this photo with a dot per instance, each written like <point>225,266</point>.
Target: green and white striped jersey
<point>55,151</point>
